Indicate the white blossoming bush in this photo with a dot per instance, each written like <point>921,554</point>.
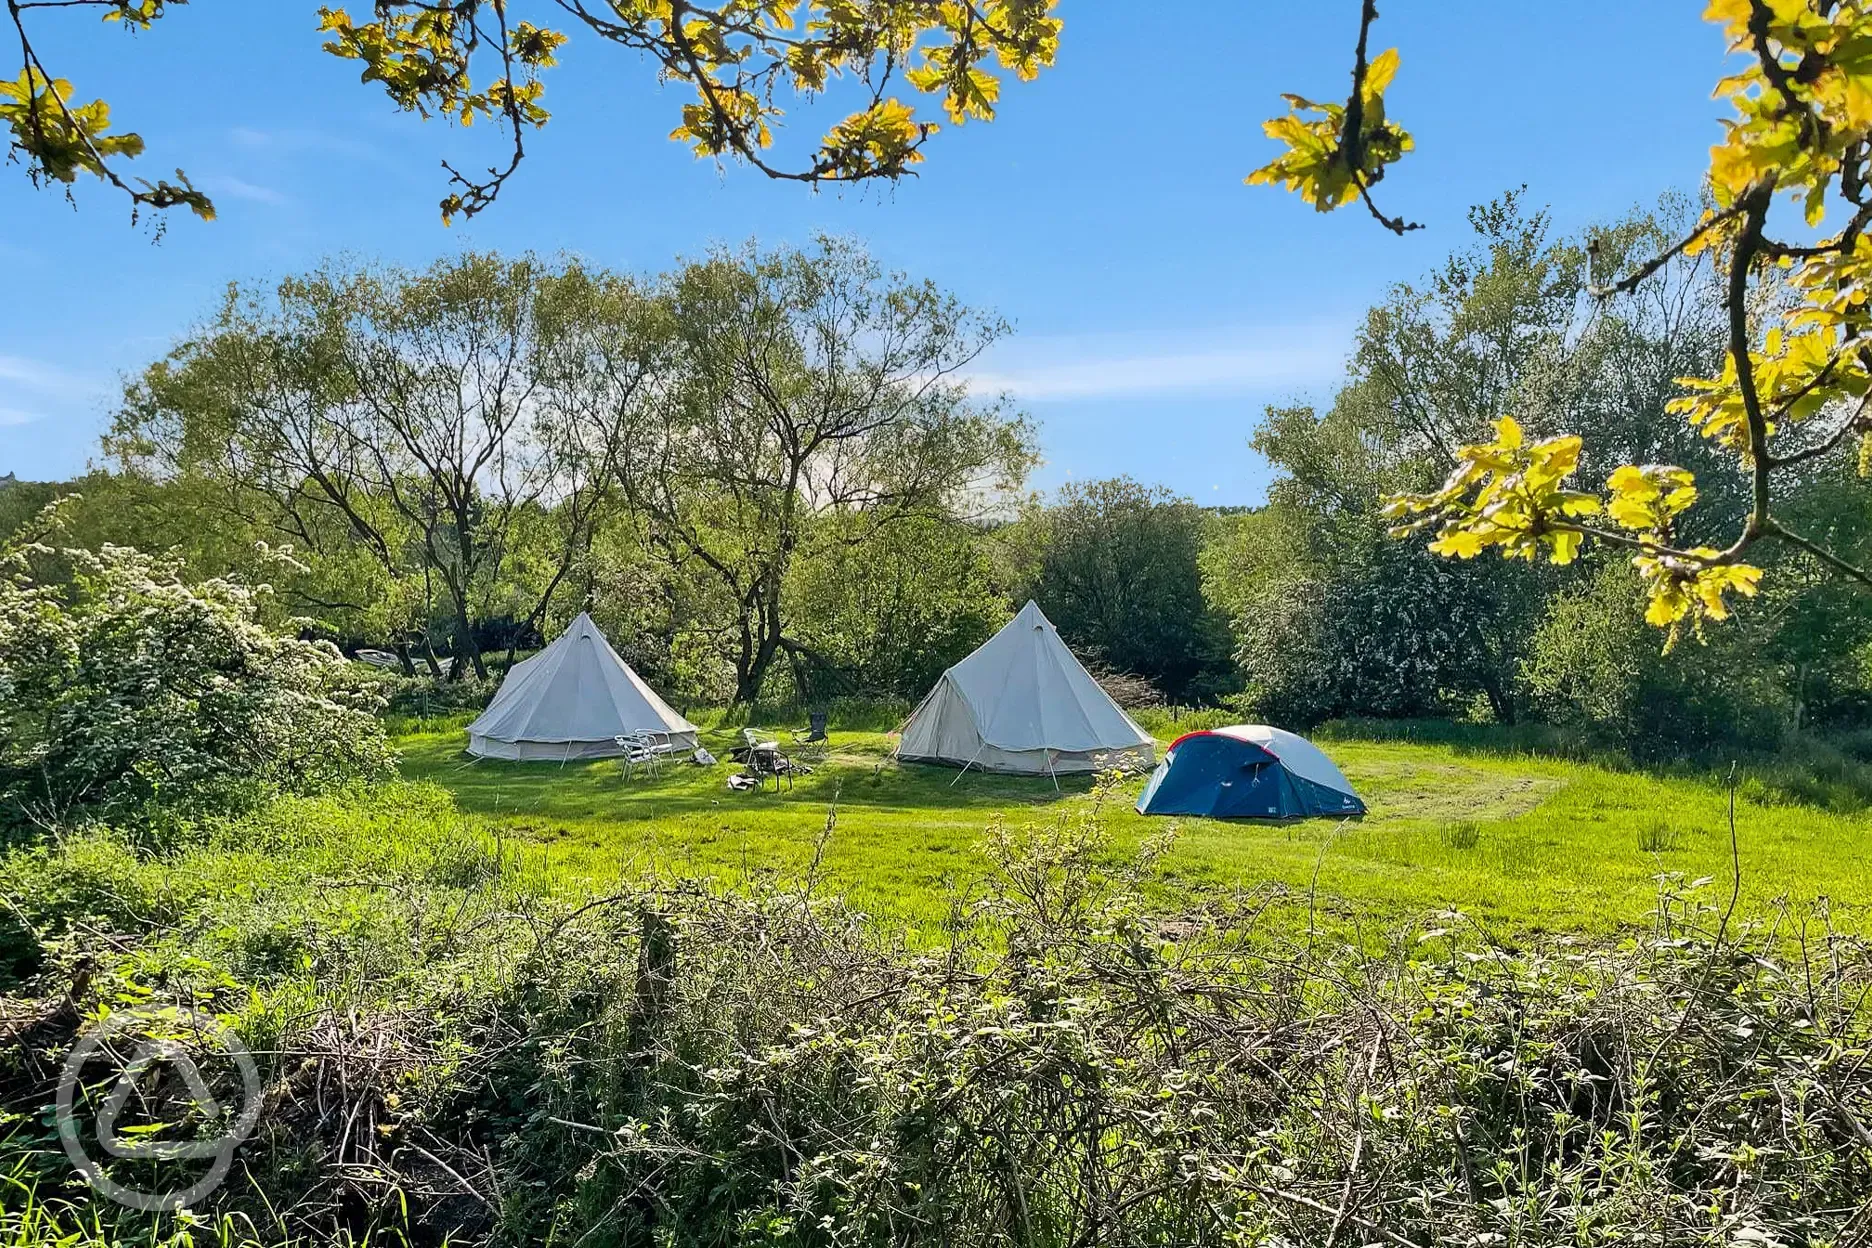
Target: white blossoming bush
<point>125,690</point>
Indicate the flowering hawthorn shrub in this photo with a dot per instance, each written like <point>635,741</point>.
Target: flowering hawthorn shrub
<point>126,689</point>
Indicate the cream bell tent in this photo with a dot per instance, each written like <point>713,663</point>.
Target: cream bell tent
<point>1023,704</point>
<point>573,700</point>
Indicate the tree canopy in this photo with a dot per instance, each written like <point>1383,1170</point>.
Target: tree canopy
<point>816,400</point>
<point>1795,385</point>
<point>485,59</point>
<point>1117,567</point>
<point>408,427</point>
<point>763,473</point>
<point>473,442</point>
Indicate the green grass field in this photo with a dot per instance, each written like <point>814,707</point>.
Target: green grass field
<point>1520,843</point>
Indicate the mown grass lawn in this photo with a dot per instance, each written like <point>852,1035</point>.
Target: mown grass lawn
<point>1520,843</point>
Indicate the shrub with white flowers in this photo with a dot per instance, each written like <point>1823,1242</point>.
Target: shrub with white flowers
<point>125,689</point>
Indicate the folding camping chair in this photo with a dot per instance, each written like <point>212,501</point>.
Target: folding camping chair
<point>811,745</point>
<point>639,749</point>
<point>763,758</point>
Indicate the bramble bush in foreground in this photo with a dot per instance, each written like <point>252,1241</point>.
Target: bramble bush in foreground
<point>454,1048</point>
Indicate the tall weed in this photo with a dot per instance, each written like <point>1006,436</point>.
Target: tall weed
<point>457,1049</point>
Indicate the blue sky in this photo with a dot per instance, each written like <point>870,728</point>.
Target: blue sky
<point>1159,304</point>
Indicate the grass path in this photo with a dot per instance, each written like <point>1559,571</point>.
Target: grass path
<point>1518,842</point>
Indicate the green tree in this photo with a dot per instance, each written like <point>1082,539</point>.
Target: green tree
<point>814,398</point>
<point>670,617</point>
<point>1117,567</point>
<point>1509,323</point>
<point>409,432</point>
<point>23,502</point>
<point>1503,323</point>
<point>1592,664</point>
<point>1795,384</point>
<point>890,614</point>
<point>1385,631</point>
<point>1330,618</point>
<point>1806,636</point>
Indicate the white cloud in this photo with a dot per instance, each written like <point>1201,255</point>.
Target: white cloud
<point>1155,363</point>
<point>225,184</point>
<point>31,391</point>
<point>298,139</point>
<point>19,373</point>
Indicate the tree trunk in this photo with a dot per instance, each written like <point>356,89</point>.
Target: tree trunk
<point>403,657</point>
<point>759,647</point>
<point>1501,702</point>
<point>465,645</point>
<point>802,692</point>
<point>759,650</point>
<point>754,673</point>
<point>538,613</point>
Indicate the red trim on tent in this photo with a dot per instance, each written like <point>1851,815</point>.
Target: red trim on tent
<point>1210,732</point>
<point>1200,732</point>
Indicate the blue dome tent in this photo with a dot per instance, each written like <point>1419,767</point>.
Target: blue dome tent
<point>1247,772</point>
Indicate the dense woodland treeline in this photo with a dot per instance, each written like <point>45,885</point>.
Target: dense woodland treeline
<point>765,475</point>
